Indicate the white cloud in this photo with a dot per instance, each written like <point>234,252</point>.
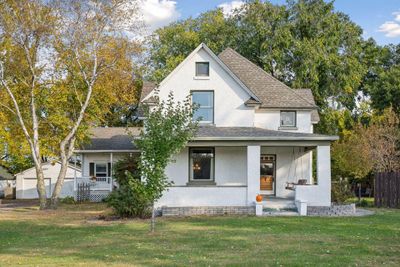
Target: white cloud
<point>391,28</point>
<point>158,13</point>
<point>229,7</point>
<point>396,16</point>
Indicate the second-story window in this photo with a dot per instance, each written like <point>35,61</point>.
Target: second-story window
<point>202,69</point>
<point>204,100</point>
<point>288,118</point>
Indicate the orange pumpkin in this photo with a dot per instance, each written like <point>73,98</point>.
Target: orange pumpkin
<point>259,198</point>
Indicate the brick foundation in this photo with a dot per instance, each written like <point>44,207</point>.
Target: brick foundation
<point>209,210</point>
<point>334,210</point>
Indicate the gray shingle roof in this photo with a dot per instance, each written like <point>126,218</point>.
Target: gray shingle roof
<point>147,88</point>
<point>111,139</point>
<point>254,133</point>
<point>118,139</point>
<point>271,92</point>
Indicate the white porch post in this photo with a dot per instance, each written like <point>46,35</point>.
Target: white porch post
<point>324,173</point>
<point>75,173</point>
<point>111,171</point>
<point>253,173</point>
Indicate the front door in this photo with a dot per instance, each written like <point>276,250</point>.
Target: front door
<point>267,174</point>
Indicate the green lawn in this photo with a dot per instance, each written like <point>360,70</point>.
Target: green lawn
<point>68,237</point>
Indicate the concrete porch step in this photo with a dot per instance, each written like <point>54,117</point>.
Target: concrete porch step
<point>280,213</point>
<point>278,204</point>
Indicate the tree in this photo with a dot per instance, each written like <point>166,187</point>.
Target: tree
<point>168,127</point>
<point>368,148</point>
<point>58,73</point>
<point>382,82</point>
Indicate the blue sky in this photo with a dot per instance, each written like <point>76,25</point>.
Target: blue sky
<point>378,18</point>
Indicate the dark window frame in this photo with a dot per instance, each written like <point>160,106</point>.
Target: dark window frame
<point>197,70</point>
<point>213,104</point>
<point>295,118</point>
<point>212,168</point>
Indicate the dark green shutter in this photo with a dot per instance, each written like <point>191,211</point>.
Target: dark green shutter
<point>91,169</point>
<point>109,170</point>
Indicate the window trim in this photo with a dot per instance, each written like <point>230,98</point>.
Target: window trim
<point>288,126</point>
<point>210,181</point>
<point>195,69</point>
<point>213,104</point>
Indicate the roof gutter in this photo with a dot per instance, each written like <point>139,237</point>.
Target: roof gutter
<point>107,151</point>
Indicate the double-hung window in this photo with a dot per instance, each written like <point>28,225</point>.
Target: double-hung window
<point>204,101</point>
<point>201,164</point>
<point>288,118</point>
<point>100,169</point>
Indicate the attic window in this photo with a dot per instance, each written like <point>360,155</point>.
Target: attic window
<point>288,118</point>
<point>202,69</point>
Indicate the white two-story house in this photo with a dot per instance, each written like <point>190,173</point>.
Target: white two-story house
<point>255,137</point>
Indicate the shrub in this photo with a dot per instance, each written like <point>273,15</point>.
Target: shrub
<point>68,200</point>
<point>130,199</point>
<point>341,191</point>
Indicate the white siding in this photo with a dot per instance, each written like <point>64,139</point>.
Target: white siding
<point>229,96</point>
<point>203,196</point>
<point>97,158</point>
<point>270,119</point>
<point>230,167</point>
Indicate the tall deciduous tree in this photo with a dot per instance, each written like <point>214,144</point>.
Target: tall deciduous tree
<point>63,64</point>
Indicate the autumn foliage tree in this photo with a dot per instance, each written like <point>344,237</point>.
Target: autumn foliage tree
<point>63,64</point>
<point>369,148</point>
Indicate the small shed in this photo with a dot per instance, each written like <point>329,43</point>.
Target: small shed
<point>26,181</point>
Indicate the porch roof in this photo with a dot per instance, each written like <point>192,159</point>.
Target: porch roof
<point>119,139</point>
<point>110,139</point>
<point>210,133</point>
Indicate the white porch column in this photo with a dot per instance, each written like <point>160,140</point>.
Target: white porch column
<point>253,173</point>
<point>111,171</point>
<point>324,173</point>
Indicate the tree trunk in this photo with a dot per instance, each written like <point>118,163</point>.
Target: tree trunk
<point>60,181</point>
<point>41,187</point>
<point>153,219</point>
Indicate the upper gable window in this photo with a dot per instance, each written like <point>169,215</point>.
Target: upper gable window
<point>288,118</point>
<point>202,69</point>
<point>205,106</point>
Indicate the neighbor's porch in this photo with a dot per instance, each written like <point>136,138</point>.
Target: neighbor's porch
<point>97,173</point>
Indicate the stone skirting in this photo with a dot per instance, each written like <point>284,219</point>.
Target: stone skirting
<point>333,210</point>
<point>208,210</point>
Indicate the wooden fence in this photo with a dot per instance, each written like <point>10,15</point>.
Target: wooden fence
<point>387,189</point>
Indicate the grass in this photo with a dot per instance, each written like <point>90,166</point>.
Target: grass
<point>69,237</point>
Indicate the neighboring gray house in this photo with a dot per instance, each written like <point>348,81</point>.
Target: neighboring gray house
<point>256,137</point>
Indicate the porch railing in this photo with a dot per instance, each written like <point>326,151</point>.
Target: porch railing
<point>96,183</point>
